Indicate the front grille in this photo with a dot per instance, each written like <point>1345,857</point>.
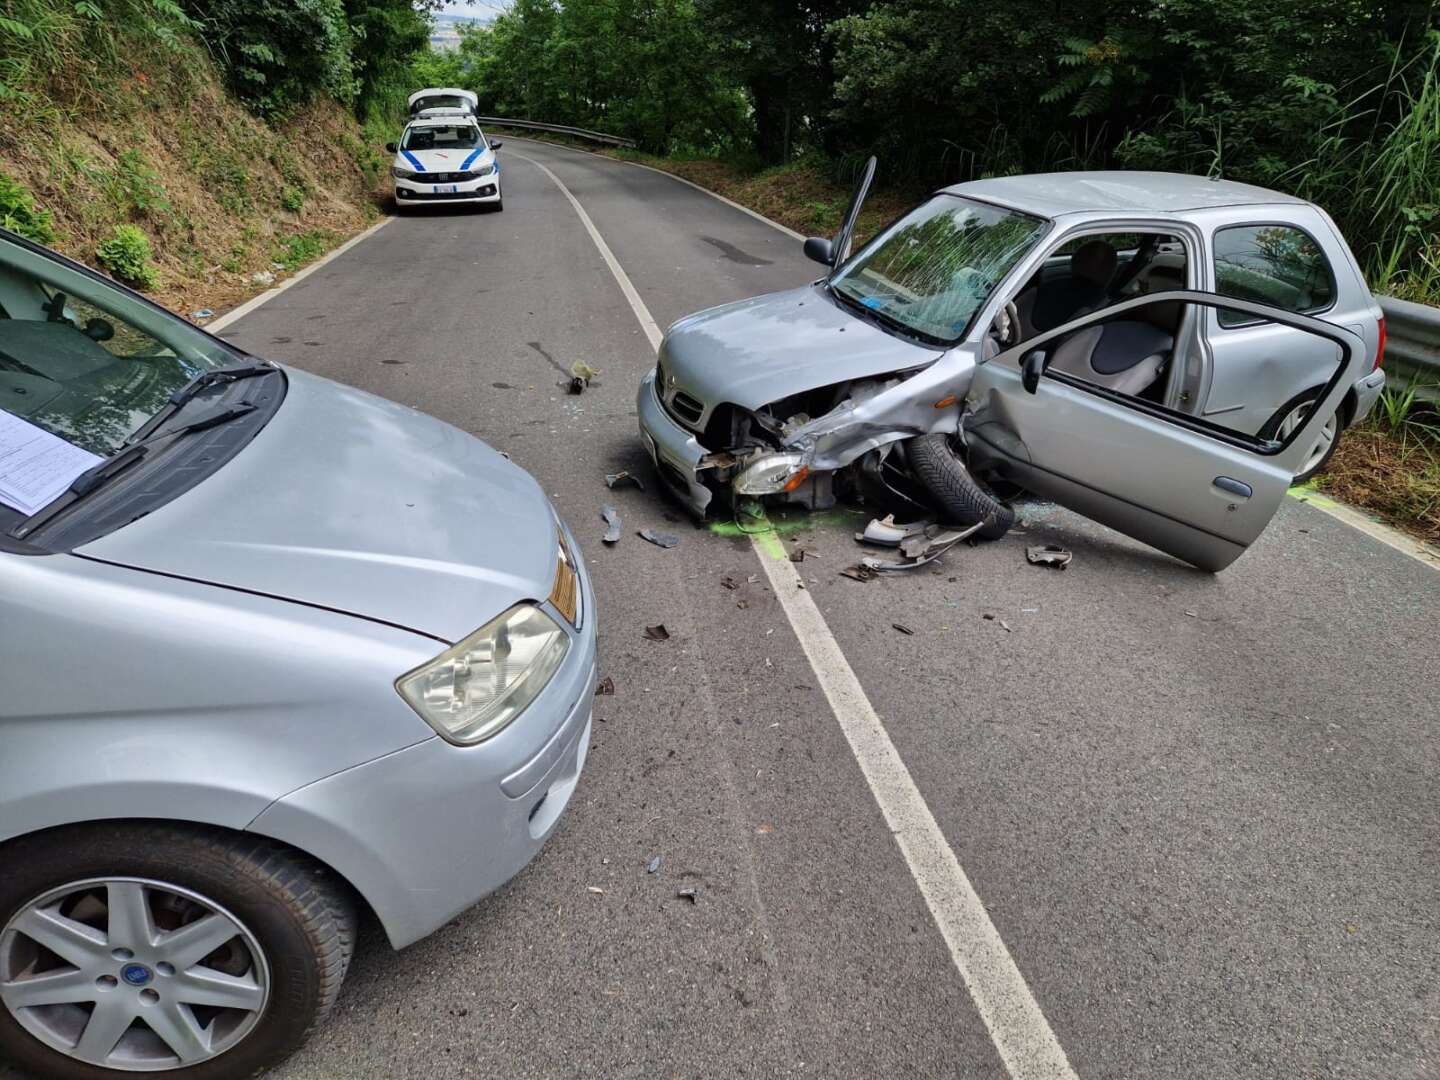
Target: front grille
<point>686,407</point>
<point>442,177</point>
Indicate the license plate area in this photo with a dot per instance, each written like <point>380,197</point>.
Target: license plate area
<point>446,189</point>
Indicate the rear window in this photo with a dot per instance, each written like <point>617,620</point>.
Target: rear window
<point>1278,265</point>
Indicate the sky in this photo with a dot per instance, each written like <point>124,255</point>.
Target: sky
<point>477,8</point>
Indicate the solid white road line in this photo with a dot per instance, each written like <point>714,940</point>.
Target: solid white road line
<point>1009,1011</point>
<point>1421,552</point>
<point>270,294</point>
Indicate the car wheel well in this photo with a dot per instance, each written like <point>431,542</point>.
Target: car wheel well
<point>57,834</point>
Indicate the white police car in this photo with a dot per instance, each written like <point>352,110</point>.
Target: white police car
<point>445,159</point>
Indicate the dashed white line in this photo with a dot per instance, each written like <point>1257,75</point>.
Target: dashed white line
<point>1011,1015</point>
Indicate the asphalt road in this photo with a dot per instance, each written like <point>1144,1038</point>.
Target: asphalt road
<point>1201,810</point>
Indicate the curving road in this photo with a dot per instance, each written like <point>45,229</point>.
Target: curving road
<point>1200,812</point>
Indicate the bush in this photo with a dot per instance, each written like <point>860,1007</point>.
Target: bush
<point>127,255</point>
<point>292,199</point>
<point>19,214</point>
<point>297,250</point>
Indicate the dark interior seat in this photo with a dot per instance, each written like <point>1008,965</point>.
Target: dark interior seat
<point>1051,303</point>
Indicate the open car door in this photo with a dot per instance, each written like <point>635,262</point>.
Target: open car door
<point>1192,488</point>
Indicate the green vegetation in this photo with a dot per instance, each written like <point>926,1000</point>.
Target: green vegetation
<point>127,255</point>
<point>1333,100</point>
<point>18,213</point>
<point>299,248</point>
<point>180,143</point>
<point>1391,463</point>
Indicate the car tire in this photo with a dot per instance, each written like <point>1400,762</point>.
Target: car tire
<point>1294,411</point>
<point>293,928</point>
<point>957,494</point>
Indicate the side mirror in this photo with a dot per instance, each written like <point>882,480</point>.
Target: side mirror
<point>391,147</point>
<point>1031,368</point>
<point>820,250</point>
<point>495,144</point>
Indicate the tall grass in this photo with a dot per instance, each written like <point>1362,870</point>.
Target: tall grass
<point>1377,167</point>
<point>57,55</point>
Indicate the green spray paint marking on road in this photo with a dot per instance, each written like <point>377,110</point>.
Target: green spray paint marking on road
<point>768,530</point>
<point>1308,493</point>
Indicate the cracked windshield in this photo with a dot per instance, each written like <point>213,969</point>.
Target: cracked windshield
<point>934,269</point>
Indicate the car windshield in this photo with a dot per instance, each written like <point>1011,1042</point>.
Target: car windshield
<point>442,137</point>
<point>86,360</point>
<point>931,271</point>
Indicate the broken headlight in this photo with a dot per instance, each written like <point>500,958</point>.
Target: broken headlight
<point>770,474</point>
<point>474,689</point>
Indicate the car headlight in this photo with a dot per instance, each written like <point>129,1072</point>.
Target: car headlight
<point>476,688</point>
<point>402,174</point>
<point>484,170</point>
<point>770,474</point>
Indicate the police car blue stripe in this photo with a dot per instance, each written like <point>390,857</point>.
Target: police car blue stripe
<point>466,163</point>
<point>413,160</point>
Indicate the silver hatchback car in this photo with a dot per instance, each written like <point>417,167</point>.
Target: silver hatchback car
<point>273,651</point>
<point>1165,354</point>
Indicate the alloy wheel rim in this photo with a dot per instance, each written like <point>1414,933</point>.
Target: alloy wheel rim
<point>132,974</point>
<point>1323,440</point>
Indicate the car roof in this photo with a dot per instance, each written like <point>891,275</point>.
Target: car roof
<point>1054,194</point>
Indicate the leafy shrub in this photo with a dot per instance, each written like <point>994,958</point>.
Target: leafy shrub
<point>135,186</point>
<point>300,248</point>
<point>19,214</point>
<point>292,199</point>
<point>127,255</point>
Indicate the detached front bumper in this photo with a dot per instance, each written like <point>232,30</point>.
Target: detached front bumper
<point>426,832</point>
<point>672,448</point>
<point>483,189</point>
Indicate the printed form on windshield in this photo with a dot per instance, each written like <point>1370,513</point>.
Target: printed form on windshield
<point>36,466</point>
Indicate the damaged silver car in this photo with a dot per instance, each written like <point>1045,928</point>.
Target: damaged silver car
<point>1165,354</point>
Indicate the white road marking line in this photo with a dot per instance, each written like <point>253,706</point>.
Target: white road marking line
<point>1341,511</point>
<point>1011,1015</point>
<point>1421,552</point>
<point>270,294</point>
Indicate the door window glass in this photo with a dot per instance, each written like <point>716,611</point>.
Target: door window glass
<point>1277,265</point>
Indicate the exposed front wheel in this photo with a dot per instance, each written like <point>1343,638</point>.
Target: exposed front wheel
<point>157,949</point>
<point>1325,436</point>
<point>960,497</point>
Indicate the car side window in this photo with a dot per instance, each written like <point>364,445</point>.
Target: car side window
<point>1280,265</point>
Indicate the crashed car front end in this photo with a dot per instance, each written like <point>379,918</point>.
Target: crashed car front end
<point>798,446</point>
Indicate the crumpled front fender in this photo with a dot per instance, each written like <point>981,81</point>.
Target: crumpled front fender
<point>929,401</point>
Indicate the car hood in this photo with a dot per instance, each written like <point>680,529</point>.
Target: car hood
<point>444,160</point>
<point>357,504</point>
<point>769,347</point>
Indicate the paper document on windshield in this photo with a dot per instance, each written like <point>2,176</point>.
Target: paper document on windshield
<point>36,466</point>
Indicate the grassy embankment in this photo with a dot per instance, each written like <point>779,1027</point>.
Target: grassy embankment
<point>123,149</point>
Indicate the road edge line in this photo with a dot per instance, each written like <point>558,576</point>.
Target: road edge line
<point>1024,1039</point>
<point>1423,553</point>
<point>237,313</point>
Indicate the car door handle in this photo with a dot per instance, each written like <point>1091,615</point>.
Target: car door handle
<point>1237,488</point>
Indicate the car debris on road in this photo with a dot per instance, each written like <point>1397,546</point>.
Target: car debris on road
<point>659,539</point>
<point>612,520</point>
<point>1049,555</point>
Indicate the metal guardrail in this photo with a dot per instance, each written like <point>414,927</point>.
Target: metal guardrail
<point>558,129</point>
<point>1412,349</point>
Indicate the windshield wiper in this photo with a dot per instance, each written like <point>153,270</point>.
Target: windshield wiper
<point>95,477</point>
<point>204,380</point>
